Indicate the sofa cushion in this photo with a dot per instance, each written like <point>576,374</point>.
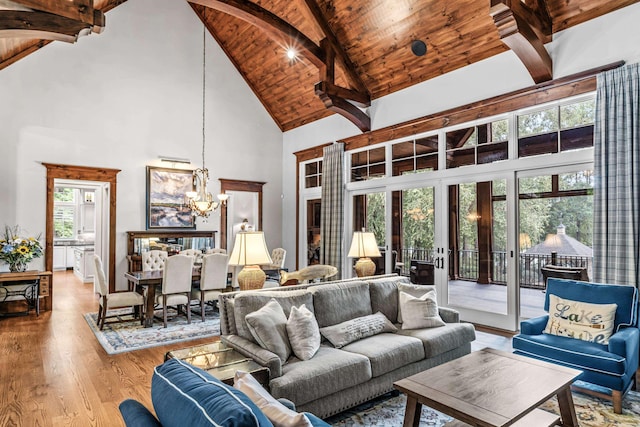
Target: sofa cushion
<point>248,302</point>
<point>384,295</point>
<point>580,320</point>
<point>329,371</point>
<point>413,290</point>
<point>440,340</point>
<point>419,312</point>
<point>354,329</point>
<point>570,352</point>
<point>336,302</point>
<point>184,395</point>
<point>278,414</point>
<point>268,325</point>
<point>388,352</point>
<point>303,331</point>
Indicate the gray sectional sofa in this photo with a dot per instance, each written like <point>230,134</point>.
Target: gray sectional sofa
<point>335,379</point>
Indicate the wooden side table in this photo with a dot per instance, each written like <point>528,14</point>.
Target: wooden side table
<point>30,285</point>
<point>221,361</point>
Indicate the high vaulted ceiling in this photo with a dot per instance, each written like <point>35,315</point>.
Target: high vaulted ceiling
<point>370,41</point>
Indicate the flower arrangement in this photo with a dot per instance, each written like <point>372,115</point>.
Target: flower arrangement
<point>18,251</point>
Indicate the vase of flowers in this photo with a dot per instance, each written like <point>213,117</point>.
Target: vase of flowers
<point>18,251</point>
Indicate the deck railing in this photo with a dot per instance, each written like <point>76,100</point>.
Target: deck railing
<point>530,264</point>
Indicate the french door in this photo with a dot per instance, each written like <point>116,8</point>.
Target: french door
<point>475,268</point>
<point>454,234</point>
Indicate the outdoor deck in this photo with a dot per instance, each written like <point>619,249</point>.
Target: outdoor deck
<point>493,298</point>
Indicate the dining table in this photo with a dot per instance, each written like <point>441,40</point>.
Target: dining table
<point>149,281</point>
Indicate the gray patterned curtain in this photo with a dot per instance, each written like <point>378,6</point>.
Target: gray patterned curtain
<point>332,208</point>
<point>616,240</point>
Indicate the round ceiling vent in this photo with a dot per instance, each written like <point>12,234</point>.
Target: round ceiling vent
<point>418,47</point>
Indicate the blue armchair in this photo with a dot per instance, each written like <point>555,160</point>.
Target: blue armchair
<point>608,369</point>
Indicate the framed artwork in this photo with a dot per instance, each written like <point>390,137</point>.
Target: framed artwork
<point>166,207</point>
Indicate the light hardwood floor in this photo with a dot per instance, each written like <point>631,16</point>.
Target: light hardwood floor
<point>53,372</point>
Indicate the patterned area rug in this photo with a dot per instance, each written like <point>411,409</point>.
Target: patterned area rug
<point>131,335</point>
<point>388,410</point>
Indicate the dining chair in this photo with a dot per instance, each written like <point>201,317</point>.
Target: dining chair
<point>278,256</point>
<point>115,299</point>
<point>154,260</point>
<point>213,279</point>
<point>195,253</point>
<point>176,285</point>
<point>215,251</point>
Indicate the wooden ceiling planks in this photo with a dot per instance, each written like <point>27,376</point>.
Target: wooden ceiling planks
<point>374,34</point>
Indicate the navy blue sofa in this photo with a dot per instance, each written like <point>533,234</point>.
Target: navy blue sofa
<point>608,370</point>
<point>184,395</point>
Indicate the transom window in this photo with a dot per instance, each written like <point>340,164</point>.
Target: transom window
<point>556,129</point>
<point>368,164</point>
<point>486,143</point>
<point>313,174</point>
<point>420,155</point>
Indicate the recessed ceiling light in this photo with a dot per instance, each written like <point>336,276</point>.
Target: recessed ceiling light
<point>291,53</point>
<point>418,47</point>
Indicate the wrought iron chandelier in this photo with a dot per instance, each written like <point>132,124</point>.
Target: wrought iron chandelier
<point>201,201</point>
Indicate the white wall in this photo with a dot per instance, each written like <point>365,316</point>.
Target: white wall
<point>119,100</point>
<point>601,41</point>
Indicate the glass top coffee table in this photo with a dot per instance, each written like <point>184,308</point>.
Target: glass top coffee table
<point>220,361</point>
<point>491,388</point>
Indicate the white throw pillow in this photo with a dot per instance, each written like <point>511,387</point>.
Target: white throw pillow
<point>413,290</point>
<point>361,327</point>
<point>420,312</point>
<point>303,332</point>
<point>580,320</point>
<point>278,414</point>
<point>268,326</point>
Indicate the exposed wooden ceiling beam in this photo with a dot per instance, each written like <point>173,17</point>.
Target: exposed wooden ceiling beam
<point>321,56</point>
<point>41,25</point>
<point>525,31</point>
<point>271,24</point>
<point>76,10</point>
<point>341,54</point>
<point>346,109</point>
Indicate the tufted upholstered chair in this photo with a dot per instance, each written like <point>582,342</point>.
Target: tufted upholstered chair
<point>215,251</point>
<point>195,253</point>
<point>213,279</point>
<point>154,260</point>
<point>114,300</point>
<point>277,257</point>
<point>176,285</point>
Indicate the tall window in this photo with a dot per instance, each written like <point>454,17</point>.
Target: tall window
<point>64,213</point>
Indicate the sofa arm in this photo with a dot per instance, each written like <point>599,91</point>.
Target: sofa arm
<point>449,315</point>
<point>534,326</point>
<point>135,414</point>
<point>625,343</point>
<point>254,351</point>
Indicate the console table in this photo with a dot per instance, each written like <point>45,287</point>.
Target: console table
<point>26,285</point>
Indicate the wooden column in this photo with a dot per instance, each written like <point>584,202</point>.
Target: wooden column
<point>485,238</point>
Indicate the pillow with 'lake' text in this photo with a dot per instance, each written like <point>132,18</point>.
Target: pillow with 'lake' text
<point>580,320</point>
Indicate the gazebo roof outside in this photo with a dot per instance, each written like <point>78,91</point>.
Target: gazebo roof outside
<point>562,244</point>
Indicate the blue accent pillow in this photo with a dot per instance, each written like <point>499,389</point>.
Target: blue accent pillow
<point>184,395</point>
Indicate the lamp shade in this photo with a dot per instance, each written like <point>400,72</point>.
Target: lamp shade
<point>250,248</point>
<point>363,245</point>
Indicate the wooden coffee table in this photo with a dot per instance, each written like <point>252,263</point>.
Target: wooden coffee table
<point>491,388</point>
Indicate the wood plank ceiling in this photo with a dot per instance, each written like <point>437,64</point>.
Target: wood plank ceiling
<point>375,37</point>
